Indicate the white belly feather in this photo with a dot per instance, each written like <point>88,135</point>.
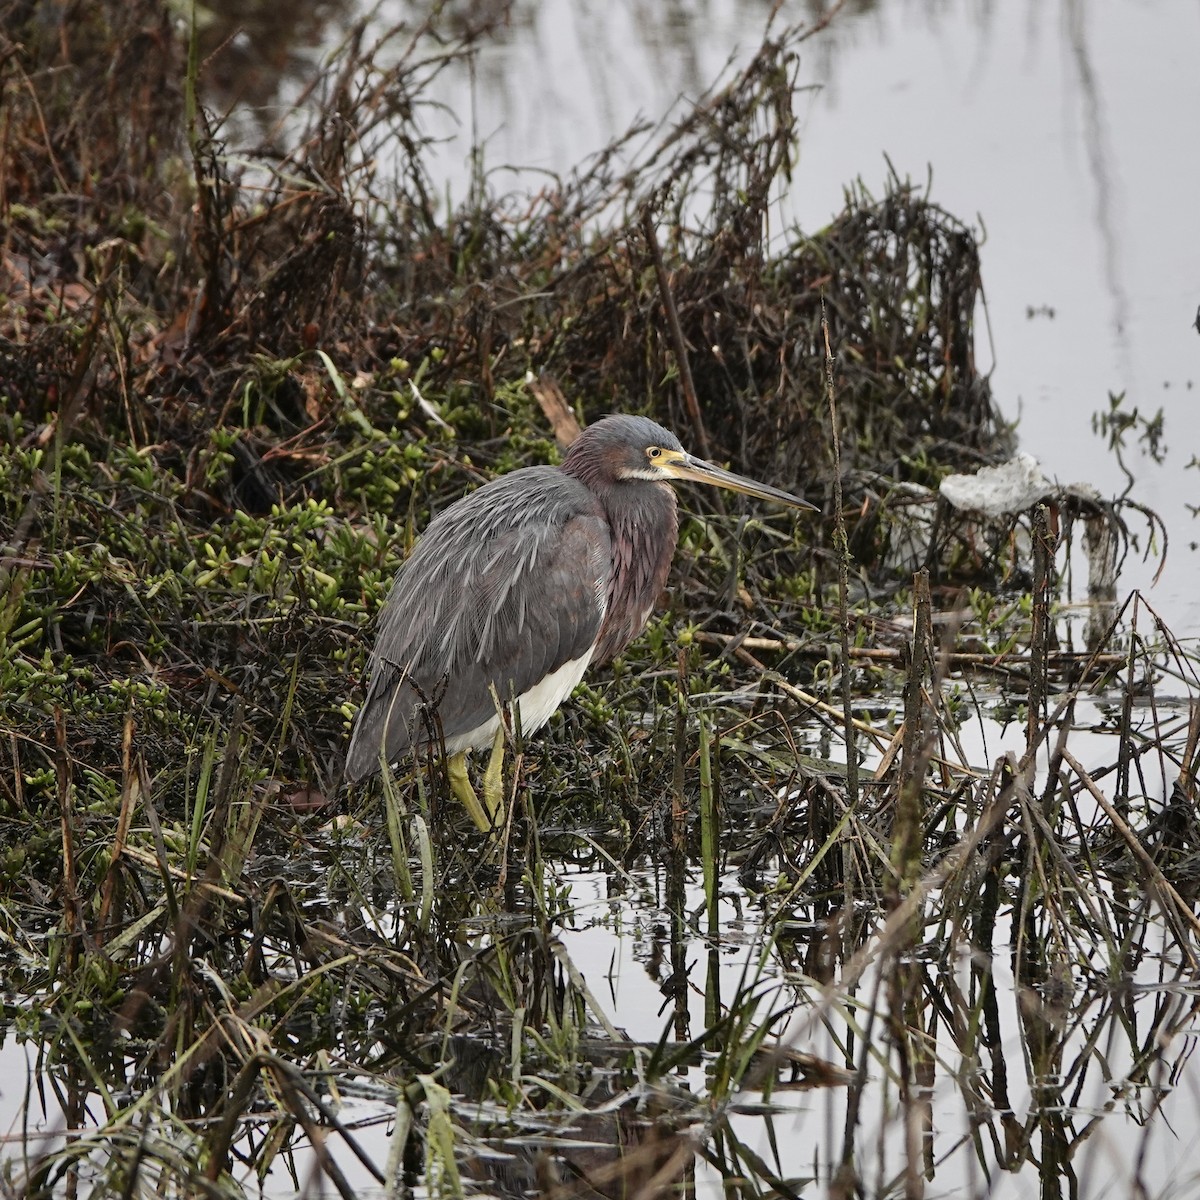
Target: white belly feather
<point>536,706</point>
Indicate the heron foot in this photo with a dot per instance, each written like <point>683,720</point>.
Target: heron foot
<point>486,815</point>
<point>493,778</point>
<point>460,785</point>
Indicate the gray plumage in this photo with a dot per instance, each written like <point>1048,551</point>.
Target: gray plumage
<point>537,570</point>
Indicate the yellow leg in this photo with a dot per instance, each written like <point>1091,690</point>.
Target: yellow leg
<point>493,779</point>
<point>460,785</point>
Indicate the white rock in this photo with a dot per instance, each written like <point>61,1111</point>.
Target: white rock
<point>1001,491</point>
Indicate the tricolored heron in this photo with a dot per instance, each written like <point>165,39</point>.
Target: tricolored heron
<point>513,591</point>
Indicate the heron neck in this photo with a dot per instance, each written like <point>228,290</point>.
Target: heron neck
<point>643,524</point>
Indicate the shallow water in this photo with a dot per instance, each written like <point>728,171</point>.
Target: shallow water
<point>1099,1076</point>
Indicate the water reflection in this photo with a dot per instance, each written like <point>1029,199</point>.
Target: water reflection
<point>254,55</point>
<point>1002,1044</point>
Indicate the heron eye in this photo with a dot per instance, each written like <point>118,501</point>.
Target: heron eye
<point>654,452</point>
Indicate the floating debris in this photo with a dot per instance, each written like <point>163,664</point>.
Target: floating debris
<point>1001,491</point>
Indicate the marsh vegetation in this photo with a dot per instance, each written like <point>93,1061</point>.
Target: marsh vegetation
<point>895,812</point>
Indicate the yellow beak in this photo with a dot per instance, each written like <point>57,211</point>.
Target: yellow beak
<point>680,465</point>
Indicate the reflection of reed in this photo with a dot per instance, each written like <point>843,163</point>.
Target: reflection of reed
<point>620,1154</point>
<point>1105,182</point>
<point>1049,980</point>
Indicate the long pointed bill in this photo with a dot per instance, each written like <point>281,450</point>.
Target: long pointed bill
<point>681,465</point>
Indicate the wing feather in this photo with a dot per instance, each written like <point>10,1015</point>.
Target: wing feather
<point>505,587</point>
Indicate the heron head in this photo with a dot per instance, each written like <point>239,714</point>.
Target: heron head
<point>623,449</point>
